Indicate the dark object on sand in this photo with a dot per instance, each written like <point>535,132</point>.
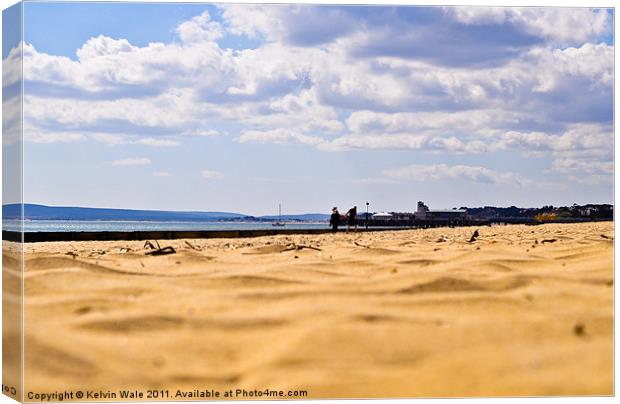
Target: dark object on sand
<point>296,247</point>
<point>474,236</point>
<point>158,250</point>
<point>193,247</point>
<point>579,330</point>
<point>604,236</point>
<point>549,240</point>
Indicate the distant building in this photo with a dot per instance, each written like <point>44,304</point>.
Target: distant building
<point>424,213</point>
<point>402,215</point>
<point>587,211</point>
<point>382,216</point>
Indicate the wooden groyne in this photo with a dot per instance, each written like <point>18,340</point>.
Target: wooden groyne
<point>47,236</point>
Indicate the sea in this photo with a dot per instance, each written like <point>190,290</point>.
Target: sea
<point>112,225</point>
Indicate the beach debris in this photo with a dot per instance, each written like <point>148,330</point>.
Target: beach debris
<point>96,253</point>
<point>441,239</point>
<point>73,254</point>
<point>193,247</point>
<point>606,237</point>
<point>298,247</point>
<point>474,236</point>
<point>158,250</point>
<point>150,245</point>
<point>163,251</point>
<point>579,330</point>
<point>549,240</point>
<point>360,245</point>
<point>83,310</point>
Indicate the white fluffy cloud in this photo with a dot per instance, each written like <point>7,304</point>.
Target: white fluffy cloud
<point>572,165</point>
<point>432,172</point>
<point>162,174</point>
<point>278,136</point>
<point>103,46</point>
<point>200,29</point>
<point>340,78</point>
<point>559,24</point>
<point>137,161</point>
<point>210,174</point>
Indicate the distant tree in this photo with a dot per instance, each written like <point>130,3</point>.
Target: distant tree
<point>545,217</point>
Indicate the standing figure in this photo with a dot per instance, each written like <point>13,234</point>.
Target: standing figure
<point>352,218</point>
<point>334,219</point>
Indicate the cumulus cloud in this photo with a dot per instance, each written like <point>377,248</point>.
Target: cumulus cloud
<point>200,29</point>
<point>204,133</point>
<point>103,46</point>
<point>475,174</point>
<point>210,174</point>
<point>572,165</point>
<point>576,137</point>
<point>254,20</point>
<point>162,174</point>
<point>137,161</point>
<point>485,34</point>
<point>157,142</point>
<point>53,137</point>
<point>465,80</point>
<point>559,24</point>
<point>278,136</point>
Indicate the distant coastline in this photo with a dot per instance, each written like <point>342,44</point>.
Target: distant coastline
<point>47,219</point>
<point>66,213</point>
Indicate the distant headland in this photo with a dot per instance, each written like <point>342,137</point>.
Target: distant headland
<point>42,212</point>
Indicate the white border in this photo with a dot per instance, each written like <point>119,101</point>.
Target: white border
<point>565,3</point>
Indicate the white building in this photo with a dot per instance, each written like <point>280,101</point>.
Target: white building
<point>424,213</point>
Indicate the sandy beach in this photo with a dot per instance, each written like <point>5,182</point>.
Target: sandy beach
<point>521,311</point>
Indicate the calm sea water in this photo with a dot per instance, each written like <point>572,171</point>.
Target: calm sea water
<point>104,225</point>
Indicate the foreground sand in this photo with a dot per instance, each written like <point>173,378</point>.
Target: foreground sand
<point>524,310</point>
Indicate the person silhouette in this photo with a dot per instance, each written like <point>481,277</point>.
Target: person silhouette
<point>334,219</point>
<point>352,218</point>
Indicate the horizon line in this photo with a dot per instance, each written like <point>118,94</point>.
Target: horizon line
<point>288,214</point>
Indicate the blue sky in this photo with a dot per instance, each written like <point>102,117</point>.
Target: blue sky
<point>240,107</point>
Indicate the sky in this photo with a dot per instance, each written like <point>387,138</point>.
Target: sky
<point>239,107</point>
